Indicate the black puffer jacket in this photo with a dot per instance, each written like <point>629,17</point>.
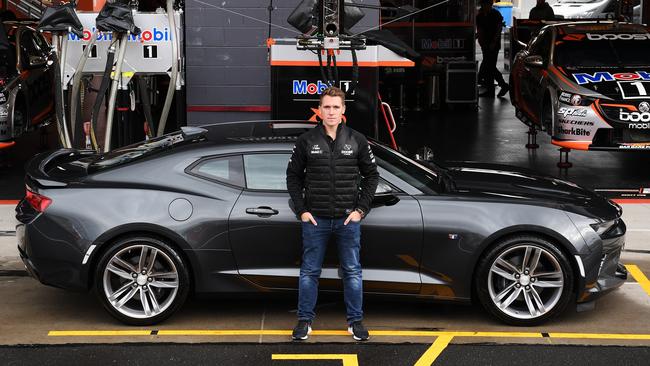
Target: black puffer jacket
<point>332,178</point>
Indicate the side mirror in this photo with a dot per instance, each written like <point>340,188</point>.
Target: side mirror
<point>384,195</point>
<point>534,61</point>
<point>37,61</point>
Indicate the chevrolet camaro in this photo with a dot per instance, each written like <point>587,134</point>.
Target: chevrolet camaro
<point>206,210</point>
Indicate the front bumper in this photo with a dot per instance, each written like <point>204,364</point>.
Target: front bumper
<point>607,272</point>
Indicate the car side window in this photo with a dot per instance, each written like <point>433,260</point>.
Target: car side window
<point>542,45</point>
<point>266,171</point>
<point>226,169</point>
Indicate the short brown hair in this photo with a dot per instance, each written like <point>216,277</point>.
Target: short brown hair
<point>332,91</point>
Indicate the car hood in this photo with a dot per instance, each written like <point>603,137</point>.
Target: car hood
<point>604,82</point>
<point>521,185</point>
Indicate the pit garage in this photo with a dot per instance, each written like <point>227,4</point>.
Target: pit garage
<point>105,87</point>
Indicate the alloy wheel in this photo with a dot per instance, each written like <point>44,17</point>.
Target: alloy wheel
<point>526,281</point>
<point>140,281</point>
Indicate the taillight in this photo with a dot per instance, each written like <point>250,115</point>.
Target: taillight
<point>37,201</point>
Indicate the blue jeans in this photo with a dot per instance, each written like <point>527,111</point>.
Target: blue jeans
<point>314,242</point>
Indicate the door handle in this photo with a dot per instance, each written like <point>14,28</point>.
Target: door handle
<point>262,211</point>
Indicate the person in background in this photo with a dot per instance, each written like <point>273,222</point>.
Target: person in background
<point>541,11</point>
<point>489,23</point>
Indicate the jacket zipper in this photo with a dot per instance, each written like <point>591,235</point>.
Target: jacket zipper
<point>333,178</point>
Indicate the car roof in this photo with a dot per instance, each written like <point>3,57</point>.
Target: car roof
<point>599,27</point>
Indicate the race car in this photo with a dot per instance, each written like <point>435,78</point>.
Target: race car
<point>26,80</point>
<point>587,84</point>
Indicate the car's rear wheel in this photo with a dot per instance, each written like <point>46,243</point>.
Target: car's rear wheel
<point>141,280</point>
<point>524,280</point>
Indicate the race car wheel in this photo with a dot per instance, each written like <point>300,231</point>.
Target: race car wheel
<point>141,280</point>
<point>524,280</point>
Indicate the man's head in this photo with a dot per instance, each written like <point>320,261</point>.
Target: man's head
<point>486,4</point>
<point>540,2</point>
<point>332,106</point>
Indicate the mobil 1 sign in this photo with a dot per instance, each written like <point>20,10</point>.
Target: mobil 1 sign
<point>296,90</point>
<point>148,52</point>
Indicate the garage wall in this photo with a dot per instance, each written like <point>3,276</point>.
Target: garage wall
<point>227,58</point>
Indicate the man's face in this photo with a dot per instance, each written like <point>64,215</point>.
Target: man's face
<point>540,2</point>
<point>332,110</point>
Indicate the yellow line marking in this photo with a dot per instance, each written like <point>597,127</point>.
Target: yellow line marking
<point>639,277</point>
<point>429,357</point>
<point>348,360</point>
<point>93,333</point>
<point>599,336</point>
<point>379,333</point>
<point>224,332</point>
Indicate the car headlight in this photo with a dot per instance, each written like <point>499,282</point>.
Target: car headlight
<point>603,227</point>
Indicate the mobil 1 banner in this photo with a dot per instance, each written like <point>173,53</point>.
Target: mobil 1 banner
<point>440,44</point>
<point>296,91</point>
<point>149,52</point>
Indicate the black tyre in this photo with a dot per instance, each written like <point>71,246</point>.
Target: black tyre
<point>141,280</point>
<point>524,280</point>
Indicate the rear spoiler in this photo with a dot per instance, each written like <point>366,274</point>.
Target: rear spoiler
<point>36,169</point>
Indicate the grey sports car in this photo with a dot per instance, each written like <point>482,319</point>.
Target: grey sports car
<point>207,211</point>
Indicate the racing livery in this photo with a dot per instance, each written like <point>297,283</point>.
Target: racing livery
<point>587,84</point>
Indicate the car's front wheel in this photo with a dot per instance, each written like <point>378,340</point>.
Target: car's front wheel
<point>141,280</point>
<point>524,280</point>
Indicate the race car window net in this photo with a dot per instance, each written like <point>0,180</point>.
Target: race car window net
<point>603,53</point>
<point>410,171</point>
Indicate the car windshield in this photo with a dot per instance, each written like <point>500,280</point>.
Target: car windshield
<point>605,53</point>
<point>419,176</point>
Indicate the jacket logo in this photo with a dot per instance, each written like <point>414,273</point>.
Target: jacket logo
<point>347,150</point>
<point>315,149</point>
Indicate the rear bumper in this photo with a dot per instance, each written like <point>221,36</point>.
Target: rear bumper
<point>50,261</point>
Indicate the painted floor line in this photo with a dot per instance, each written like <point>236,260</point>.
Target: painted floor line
<point>639,277</point>
<point>376,333</point>
<point>348,359</point>
<point>431,354</point>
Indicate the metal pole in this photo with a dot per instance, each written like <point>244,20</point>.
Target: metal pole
<point>117,78</point>
<point>174,72</point>
<point>76,83</point>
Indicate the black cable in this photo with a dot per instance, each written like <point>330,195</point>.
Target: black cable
<point>355,72</point>
<point>336,70</point>
<point>329,69</point>
<point>106,80</point>
<point>322,69</point>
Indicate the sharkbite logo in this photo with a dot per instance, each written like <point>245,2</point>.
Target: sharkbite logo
<point>146,35</point>
<point>597,77</point>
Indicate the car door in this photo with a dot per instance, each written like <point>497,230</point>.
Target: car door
<point>37,78</point>
<point>533,77</point>
<point>266,236</point>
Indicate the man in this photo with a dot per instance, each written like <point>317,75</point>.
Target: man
<point>488,30</point>
<point>336,169</point>
<point>541,11</point>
